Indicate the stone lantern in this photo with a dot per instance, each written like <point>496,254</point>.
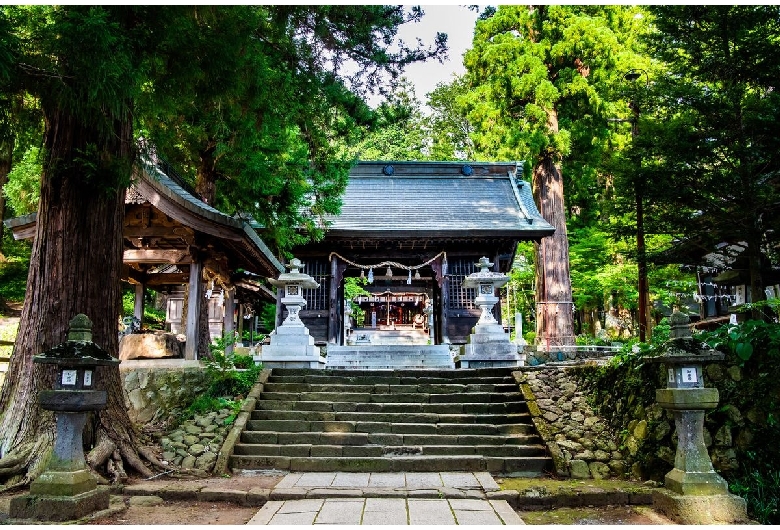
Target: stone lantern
<point>291,345</point>
<point>695,493</point>
<point>488,345</point>
<point>66,490</point>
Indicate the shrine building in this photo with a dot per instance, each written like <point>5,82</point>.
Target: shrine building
<point>414,231</point>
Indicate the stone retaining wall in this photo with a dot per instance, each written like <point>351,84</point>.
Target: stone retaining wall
<point>155,390</point>
<point>580,443</point>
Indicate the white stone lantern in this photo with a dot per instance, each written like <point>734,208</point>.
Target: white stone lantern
<point>486,282</point>
<point>291,345</point>
<point>292,283</point>
<point>488,345</point>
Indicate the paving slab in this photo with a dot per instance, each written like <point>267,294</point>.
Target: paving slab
<point>385,512</point>
<point>341,511</point>
<point>315,480</point>
<point>387,480</point>
<point>429,512</point>
<point>423,480</point>
<point>351,480</point>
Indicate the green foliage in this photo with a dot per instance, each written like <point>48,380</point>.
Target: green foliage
<point>224,376</point>
<point>353,287</point>
<point>745,339</point>
<point>267,317</point>
<point>14,269</point>
<point>153,318</point>
<point>760,489</point>
<point>24,182</point>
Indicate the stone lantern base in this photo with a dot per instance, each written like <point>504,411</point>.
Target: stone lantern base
<point>489,347</point>
<point>700,509</point>
<point>291,347</point>
<point>54,508</point>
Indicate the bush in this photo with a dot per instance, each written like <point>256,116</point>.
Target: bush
<point>226,379</point>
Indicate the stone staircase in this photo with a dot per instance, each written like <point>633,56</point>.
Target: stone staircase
<point>391,421</point>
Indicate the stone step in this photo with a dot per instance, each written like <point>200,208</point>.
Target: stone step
<point>435,408</point>
<point>533,466</point>
<point>451,375</point>
<point>313,450</point>
<point>298,426</point>
<point>385,438</point>
<point>326,377</point>
<point>390,389</point>
<point>388,417</point>
<point>392,397</point>
<point>390,357</point>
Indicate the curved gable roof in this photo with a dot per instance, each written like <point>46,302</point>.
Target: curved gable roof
<point>437,199</point>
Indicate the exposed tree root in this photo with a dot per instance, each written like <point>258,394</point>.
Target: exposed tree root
<point>148,453</point>
<point>101,452</point>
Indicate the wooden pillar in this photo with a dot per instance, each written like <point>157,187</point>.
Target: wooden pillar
<point>445,307</point>
<point>229,326</point>
<point>240,322</point>
<point>138,309</point>
<point>279,307</point>
<point>333,325</point>
<point>497,308</point>
<point>195,299</point>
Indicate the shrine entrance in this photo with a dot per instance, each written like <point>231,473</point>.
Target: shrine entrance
<point>394,316</point>
<point>413,231</point>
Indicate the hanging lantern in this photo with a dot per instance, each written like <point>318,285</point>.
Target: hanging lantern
<point>417,274</point>
<point>389,272</point>
<point>370,275</point>
<point>362,274</point>
<point>409,278</point>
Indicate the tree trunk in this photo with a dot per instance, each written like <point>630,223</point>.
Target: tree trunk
<point>554,315</point>
<point>75,268</point>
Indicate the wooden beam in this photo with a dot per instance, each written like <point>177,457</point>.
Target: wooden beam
<point>229,326</point>
<point>168,278</point>
<point>156,256</point>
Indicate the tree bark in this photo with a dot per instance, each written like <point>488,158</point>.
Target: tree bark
<point>554,315</point>
<point>75,268</point>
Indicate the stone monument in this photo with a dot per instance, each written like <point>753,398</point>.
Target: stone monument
<point>66,490</point>
<point>488,345</point>
<point>694,492</point>
<point>291,345</point>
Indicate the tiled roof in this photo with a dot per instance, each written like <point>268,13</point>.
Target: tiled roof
<point>437,199</point>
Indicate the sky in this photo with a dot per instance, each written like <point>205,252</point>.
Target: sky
<point>457,21</point>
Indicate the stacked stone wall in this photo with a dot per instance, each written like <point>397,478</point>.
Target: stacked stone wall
<point>580,442</point>
<point>156,394</point>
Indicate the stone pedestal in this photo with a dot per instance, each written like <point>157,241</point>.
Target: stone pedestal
<point>60,508</point>
<point>700,509</point>
<point>291,347</point>
<point>489,346</point>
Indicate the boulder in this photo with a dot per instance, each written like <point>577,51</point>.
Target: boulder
<point>150,346</point>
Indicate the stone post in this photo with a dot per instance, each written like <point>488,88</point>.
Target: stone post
<point>66,490</point>
<point>694,492</point>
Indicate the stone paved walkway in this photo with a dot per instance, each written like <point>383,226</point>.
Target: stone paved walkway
<point>386,499</point>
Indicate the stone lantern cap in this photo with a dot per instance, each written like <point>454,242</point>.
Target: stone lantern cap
<point>78,350</point>
<point>682,348</point>
<point>294,276</point>
<point>485,275</point>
